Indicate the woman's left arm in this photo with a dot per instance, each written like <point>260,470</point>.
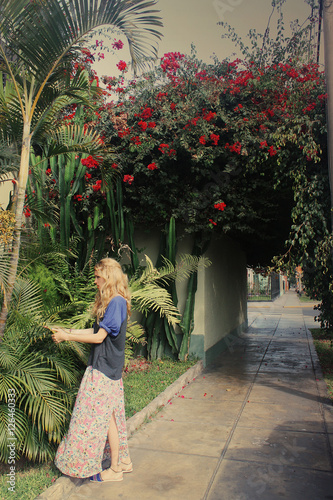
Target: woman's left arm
<point>60,335</point>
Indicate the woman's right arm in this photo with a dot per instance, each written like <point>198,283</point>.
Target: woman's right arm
<point>89,337</point>
<point>71,331</point>
<point>78,331</point>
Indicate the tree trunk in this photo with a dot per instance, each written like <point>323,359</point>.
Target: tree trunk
<point>18,208</point>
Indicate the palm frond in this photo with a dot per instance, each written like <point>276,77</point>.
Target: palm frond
<point>26,297</point>
<point>64,366</point>
<point>46,408</point>
<point>155,298</point>
<point>4,270</point>
<point>73,138</point>
<point>81,350</point>
<point>37,445</point>
<point>135,333</point>
<point>186,265</point>
<point>135,336</point>
<point>40,33</point>
<point>21,429</point>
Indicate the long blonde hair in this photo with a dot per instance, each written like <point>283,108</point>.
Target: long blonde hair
<point>116,283</point>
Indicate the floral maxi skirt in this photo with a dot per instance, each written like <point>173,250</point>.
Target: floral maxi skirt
<point>85,446</point>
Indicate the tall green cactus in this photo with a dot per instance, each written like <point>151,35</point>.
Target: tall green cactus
<point>161,335</point>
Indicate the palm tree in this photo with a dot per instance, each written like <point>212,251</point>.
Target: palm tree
<point>38,40</point>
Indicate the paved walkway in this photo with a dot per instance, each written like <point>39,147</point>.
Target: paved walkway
<point>256,425</point>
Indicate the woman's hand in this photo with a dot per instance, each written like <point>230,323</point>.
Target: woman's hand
<point>58,334</point>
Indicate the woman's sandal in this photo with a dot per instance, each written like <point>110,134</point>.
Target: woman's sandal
<point>126,467</point>
<point>97,478</point>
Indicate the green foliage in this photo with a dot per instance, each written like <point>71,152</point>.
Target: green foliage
<point>41,381</point>
<point>45,279</point>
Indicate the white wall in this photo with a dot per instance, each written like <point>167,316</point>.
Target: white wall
<point>221,299</point>
<point>5,189</point>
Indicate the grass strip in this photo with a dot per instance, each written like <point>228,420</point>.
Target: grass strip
<point>30,480</point>
<point>259,298</point>
<point>143,382</point>
<point>148,379</point>
<point>323,342</point>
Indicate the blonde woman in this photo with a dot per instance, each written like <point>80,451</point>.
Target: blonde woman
<point>97,429</point>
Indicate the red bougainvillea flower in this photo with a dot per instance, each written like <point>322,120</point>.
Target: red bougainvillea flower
<point>220,206</point>
<point>69,117</point>
<point>202,140</point>
<point>121,65</point>
<point>114,165</point>
<point>172,106</point>
<point>146,113</point>
<point>169,62</point>
<point>215,139</point>
<point>143,125</point>
<point>263,144</point>
<point>124,132</point>
<point>212,222</point>
<point>209,116</point>
<point>163,148</point>
<point>136,140</point>
<point>151,124</point>
<point>89,162</point>
<point>128,179</point>
<point>152,166</point>
<point>87,176</point>
<point>27,212</point>
<point>310,107</point>
<point>272,151</point>
<point>117,44</point>
<point>78,197</point>
<point>96,187</point>
<point>160,95</point>
<point>236,148</point>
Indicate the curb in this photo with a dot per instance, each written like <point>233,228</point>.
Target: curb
<point>65,485</point>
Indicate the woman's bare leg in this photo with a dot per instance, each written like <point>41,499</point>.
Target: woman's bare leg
<point>113,438</point>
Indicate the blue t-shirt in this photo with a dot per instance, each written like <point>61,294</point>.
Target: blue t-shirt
<point>115,314</point>
<point>109,356</point>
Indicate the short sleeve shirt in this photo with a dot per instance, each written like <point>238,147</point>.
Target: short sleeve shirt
<point>115,314</point>
<point>109,356</point>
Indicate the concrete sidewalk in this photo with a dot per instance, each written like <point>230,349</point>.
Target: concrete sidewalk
<point>255,425</point>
